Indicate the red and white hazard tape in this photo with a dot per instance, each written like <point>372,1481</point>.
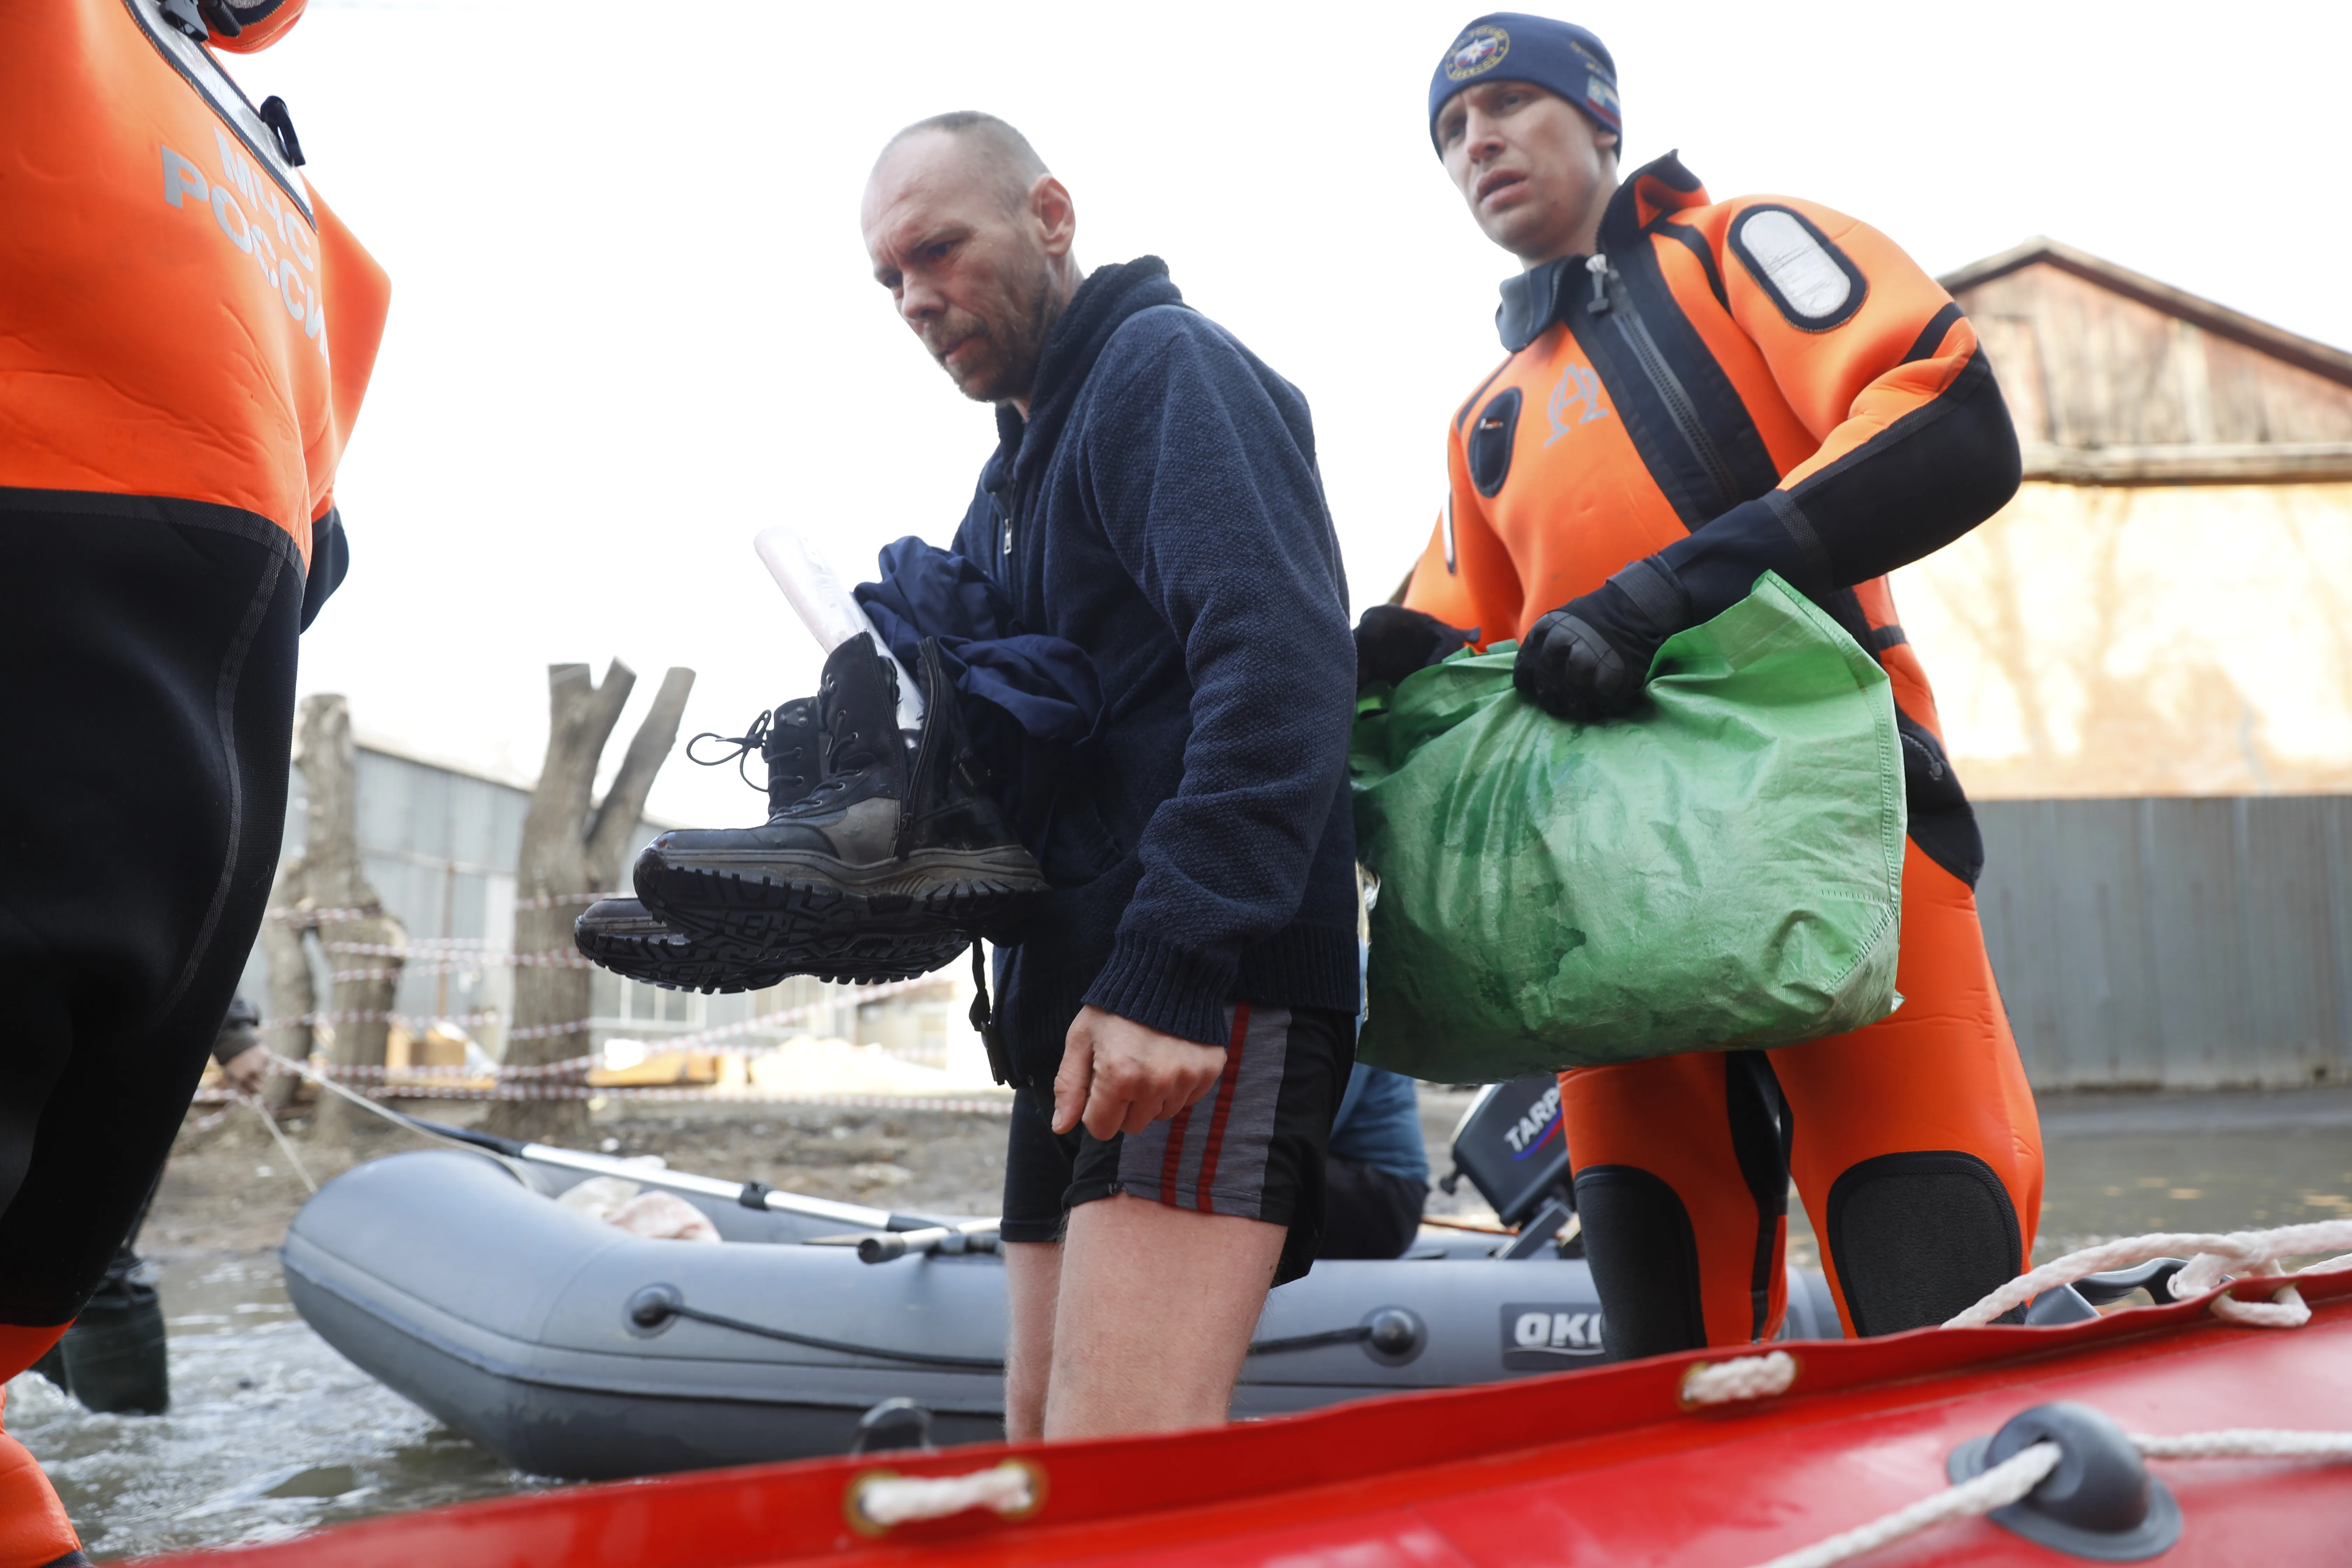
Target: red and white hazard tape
<point>383,1016</point>
<point>429,944</point>
<point>707,1041</point>
<point>473,965</point>
<point>462,953</point>
<point>351,1072</point>
<point>297,915</point>
<point>559,901</point>
<point>511,1084</point>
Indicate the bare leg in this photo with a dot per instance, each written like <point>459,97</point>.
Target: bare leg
<point>1033,1276</point>
<point>1154,1316</point>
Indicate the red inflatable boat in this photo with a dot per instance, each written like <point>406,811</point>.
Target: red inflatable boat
<point>1703,1460</point>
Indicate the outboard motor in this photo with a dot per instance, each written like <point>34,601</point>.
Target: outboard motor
<point>1512,1145</point>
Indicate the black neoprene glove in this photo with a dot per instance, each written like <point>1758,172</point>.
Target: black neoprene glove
<point>1589,658</point>
<point>1392,642</point>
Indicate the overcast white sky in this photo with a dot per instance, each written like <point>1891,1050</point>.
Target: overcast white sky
<point>632,323</point>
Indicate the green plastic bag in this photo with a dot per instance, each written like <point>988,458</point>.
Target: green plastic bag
<point>1720,870</point>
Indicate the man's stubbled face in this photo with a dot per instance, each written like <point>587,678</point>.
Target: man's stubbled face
<point>964,259</point>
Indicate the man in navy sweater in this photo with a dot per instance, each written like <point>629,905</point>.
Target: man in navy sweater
<point>1177,1019</point>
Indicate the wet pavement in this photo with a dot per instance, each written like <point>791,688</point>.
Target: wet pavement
<point>271,1433</point>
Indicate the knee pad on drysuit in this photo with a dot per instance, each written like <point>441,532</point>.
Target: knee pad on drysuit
<point>1644,1259</point>
<point>1916,1238</point>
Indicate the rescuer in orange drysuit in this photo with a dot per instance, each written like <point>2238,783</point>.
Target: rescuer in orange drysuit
<point>1697,390</point>
<point>185,333</point>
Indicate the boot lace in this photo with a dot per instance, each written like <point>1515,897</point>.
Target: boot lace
<point>846,748</point>
<point>746,745</point>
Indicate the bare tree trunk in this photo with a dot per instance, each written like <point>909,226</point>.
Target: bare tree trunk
<point>291,993</point>
<point>572,847</point>
<point>336,886</point>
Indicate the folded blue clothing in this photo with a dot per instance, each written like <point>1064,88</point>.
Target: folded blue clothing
<point>1028,700</point>
<point>1045,685</point>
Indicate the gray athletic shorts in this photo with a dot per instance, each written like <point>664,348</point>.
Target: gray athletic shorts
<point>1254,1146</point>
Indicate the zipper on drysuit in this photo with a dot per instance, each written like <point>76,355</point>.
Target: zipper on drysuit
<point>1611,298</point>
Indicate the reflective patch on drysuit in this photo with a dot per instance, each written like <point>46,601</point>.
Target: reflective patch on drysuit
<point>1808,277</point>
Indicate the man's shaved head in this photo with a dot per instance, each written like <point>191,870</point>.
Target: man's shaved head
<point>998,155</point>
<point>973,237</point>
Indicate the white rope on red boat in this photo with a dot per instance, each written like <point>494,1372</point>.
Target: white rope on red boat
<point>883,1501</point>
<point>1998,1488</point>
<point>1747,1377</point>
<point>2014,1477</point>
<point>2212,1257</point>
<point>2247,1443</point>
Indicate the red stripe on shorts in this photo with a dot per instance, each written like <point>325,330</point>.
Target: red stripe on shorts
<point>1226,1082</point>
<point>1173,1163</point>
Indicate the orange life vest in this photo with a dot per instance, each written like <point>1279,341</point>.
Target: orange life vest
<point>181,318</point>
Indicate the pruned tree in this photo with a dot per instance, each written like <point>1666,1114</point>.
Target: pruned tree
<point>325,890</point>
<point>574,846</point>
<point>293,994</point>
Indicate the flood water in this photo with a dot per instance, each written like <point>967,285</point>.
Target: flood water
<point>271,1433</point>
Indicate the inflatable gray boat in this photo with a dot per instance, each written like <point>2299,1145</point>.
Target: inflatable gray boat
<point>572,1348</point>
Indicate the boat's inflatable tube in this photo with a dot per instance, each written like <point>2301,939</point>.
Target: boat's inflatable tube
<point>454,1279</point>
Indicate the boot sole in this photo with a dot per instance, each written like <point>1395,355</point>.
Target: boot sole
<point>645,948</point>
<point>800,902</point>
<point>678,966</point>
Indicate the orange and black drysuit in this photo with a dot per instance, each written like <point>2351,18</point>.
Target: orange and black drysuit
<point>1729,387</point>
<point>186,334</point>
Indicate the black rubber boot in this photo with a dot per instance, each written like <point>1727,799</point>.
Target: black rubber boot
<point>113,1359</point>
<point>884,846</point>
<point>626,937</point>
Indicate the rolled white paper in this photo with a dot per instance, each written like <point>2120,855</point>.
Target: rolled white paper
<point>826,607</point>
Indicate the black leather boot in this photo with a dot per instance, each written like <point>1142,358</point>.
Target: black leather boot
<point>885,846</point>
<point>786,738</point>
<point>626,937</point>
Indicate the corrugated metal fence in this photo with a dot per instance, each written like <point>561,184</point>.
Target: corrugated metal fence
<point>2177,942</point>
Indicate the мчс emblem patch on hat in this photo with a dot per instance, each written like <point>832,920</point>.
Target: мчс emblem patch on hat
<point>1563,59</point>
<point>1476,52</point>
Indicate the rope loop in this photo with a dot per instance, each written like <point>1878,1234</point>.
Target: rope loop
<point>1747,1377</point>
<point>879,1501</point>
<point>2213,1258</point>
<point>2285,1309</point>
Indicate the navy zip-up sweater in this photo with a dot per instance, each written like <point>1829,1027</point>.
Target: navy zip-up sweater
<point>1160,509</point>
